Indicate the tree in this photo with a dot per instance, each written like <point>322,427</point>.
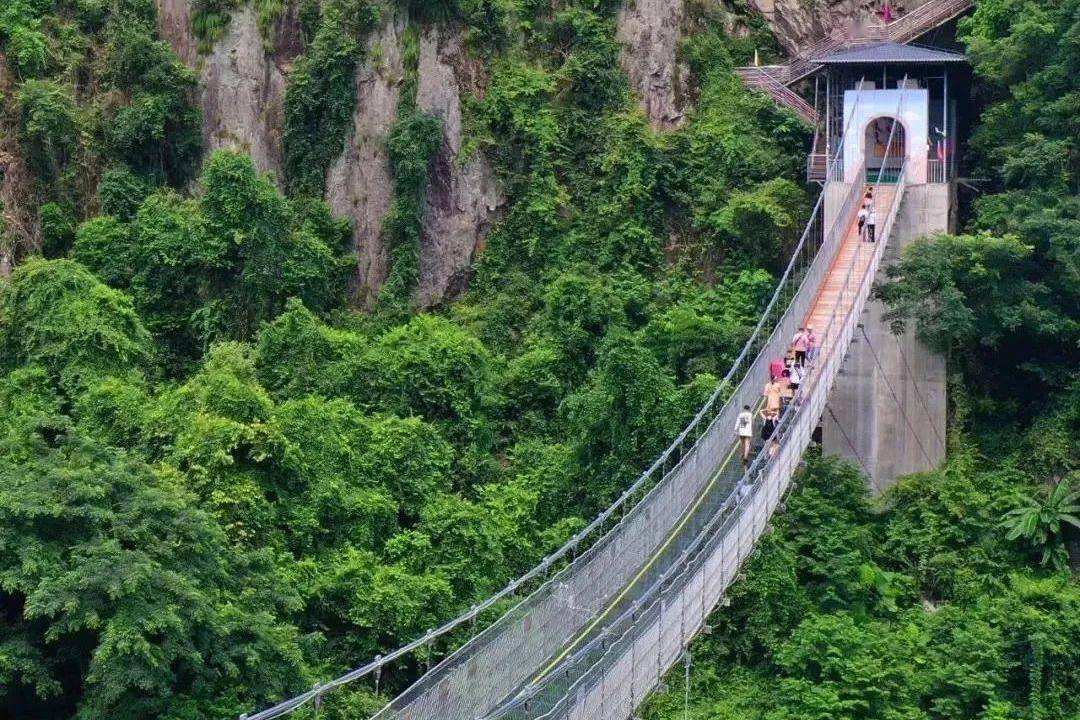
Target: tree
<point>987,301</point>
<point>56,314</point>
<point>431,368</point>
<point>103,616</point>
<point>219,266</point>
<point>298,354</point>
<point>48,126</point>
<point>621,419</point>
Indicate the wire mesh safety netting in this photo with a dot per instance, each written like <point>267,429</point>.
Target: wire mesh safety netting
<point>613,672</point>
<point>560,610</point>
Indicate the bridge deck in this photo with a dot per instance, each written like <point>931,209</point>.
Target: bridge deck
<point>852,259</point>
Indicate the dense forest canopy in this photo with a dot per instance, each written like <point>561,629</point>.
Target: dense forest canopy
<point>221,482</point>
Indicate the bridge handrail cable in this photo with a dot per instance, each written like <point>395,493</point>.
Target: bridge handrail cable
<point>675,455</point>
<point>805,416</point>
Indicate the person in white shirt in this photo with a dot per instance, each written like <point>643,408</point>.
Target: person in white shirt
<point>744,429</point>
<point>871,221</point>
<point>862,222</point>
<point>796,379</point>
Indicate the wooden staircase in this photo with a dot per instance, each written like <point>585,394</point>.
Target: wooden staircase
<point>759,79</point>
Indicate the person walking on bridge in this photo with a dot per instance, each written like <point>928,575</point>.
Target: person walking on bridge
<point>798,345</point>
<point>871,223</point>
<point>795,379</point>
<point>772,393</point>
<point>744,428</point>
<point>768,425</point>
<point>811,344</point>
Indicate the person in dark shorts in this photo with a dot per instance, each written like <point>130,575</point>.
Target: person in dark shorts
<point>768,425</point>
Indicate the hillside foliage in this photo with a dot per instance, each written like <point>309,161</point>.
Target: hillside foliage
<point>221,483</point>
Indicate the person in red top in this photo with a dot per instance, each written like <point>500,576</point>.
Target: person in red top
<point>775,368</point>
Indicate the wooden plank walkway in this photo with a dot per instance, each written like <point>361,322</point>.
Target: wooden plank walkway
<point>833,296</point>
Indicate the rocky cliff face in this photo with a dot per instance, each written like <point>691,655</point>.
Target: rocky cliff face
<point>462,193</point>
<point>242,84</point>
<point>649,31</point>
<point>359,185</point>
<point>18,221</point>
<point>174,26</point>
<point>242,90</point>
<point>799,25</point>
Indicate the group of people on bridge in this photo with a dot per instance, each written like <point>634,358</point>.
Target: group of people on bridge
<point>782,390</point>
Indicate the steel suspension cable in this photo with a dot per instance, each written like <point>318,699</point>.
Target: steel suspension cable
<point>896,400</point>
<point>918,393</point>
<point>851,446</point>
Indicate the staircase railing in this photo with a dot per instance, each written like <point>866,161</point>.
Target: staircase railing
<point>904,29</point>
<point>757,78</point>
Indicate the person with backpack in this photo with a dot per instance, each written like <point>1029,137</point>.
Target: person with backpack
<point>774,389</point>
<point>776,366</point>
<point>862,222</point>
<point>744,429</point>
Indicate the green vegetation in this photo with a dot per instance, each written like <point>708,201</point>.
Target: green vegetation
<point>924,606</point>
<point>1004,299</point>
<point>321,94</point>
<point>413,142</point>
<point>222,484</point>
<point>952,597</point>
<point>216,267</point>
<point>92,91</point>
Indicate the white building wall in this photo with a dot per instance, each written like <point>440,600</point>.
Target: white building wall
<point>911,106</point>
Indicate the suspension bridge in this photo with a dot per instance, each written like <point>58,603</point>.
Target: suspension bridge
<point>593,630</point>
<point>604,626</point>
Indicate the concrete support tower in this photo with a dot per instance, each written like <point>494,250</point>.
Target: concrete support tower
<point>889,106</point>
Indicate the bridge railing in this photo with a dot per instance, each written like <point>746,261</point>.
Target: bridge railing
<point>616,670</point>
<point>609,678</point>
<point>495,663</point>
